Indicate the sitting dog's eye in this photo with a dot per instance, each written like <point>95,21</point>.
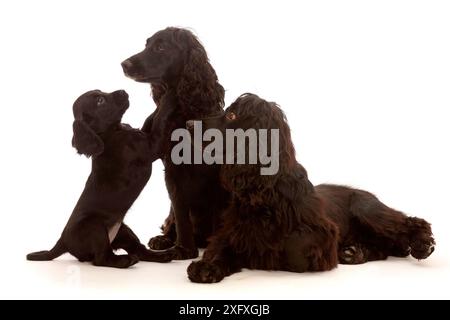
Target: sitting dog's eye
<point>231,116</point>
<point>100,101</point>
<point>160,47</point>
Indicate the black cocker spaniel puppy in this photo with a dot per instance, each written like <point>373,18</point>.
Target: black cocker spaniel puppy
<point>121,166</point>
<point>283,222</point>
<point>174,59</point>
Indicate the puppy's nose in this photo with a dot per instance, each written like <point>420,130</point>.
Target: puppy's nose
<point>190,124</point>
<point>120,96</point>
<point>126,66</point>
<point>122,93</point>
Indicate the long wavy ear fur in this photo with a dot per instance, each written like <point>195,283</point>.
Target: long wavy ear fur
<point>246,179</point>
<point>85,140</point>
<point>198,88</point>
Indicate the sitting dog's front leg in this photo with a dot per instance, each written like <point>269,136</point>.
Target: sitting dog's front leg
<point>185,247</point>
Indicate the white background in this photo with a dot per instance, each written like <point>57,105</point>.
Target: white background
<point>364,84</point>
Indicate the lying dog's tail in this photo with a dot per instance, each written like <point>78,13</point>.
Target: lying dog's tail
<point>46,255</point>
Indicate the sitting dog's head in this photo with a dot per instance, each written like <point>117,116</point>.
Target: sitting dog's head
<point>174,57</point>
<point>95,113</point>
<point>163,58</point>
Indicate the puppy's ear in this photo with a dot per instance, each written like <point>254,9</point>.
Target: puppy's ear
<point>85,140</point>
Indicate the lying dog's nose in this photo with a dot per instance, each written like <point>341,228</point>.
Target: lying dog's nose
<point>190,124</point>
<point>126,66</point>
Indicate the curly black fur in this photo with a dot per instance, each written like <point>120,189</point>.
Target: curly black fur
<point>283,222</point>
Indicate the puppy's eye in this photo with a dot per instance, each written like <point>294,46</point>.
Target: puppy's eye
<point>100,101</point>
<point>231,116</point>
<point>160,47</point>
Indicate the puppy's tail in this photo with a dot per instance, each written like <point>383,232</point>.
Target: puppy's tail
<point>47,255</point>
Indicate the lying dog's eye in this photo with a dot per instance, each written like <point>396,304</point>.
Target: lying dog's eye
<point>100,101</point>
<point>231,116</point>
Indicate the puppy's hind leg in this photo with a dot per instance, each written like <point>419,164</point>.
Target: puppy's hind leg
<point>127,240</point>
<point>102,250</point>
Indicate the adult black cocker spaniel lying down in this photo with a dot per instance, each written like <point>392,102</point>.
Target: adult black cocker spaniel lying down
<point>121,166</point>
<point>283,222</point>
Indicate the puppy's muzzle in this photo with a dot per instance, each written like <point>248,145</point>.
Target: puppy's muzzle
<point>121,97</point>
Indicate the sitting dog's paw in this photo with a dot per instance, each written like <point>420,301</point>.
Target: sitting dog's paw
<point>352,255</point>
<point>181,253</point>
<point>160,243</point>
<point>204,272</point>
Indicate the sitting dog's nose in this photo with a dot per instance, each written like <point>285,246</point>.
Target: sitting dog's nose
<point>126,66</point>
<point>190,124</point>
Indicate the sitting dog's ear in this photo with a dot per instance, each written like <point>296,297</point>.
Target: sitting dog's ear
<point>85,140</point>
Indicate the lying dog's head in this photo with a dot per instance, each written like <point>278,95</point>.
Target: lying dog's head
<point>95,113</point>
<point>258,119</point>
<point>175,58</point>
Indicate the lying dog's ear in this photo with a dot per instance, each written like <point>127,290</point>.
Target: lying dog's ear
<point>85,140</point>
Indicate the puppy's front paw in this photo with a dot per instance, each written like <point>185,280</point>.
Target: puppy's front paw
<point>160,243</point>
<point>204,272</point>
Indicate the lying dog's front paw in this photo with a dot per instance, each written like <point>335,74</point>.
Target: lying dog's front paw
<point>204,272</point>
<point>160,243</point>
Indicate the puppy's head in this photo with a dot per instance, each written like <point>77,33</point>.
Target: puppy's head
<point>95,113</point>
